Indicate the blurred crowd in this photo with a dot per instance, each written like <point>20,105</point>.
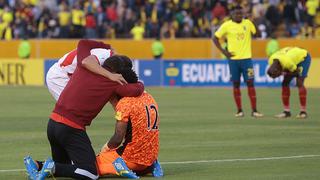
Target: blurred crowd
<point>140,19</point>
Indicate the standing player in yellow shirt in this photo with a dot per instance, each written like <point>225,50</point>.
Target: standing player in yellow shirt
<point>137,31</point>
<point>238,32</point>
<point>292,62</point>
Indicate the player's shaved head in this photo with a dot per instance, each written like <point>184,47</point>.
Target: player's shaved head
<point>237,14</point>
<point>275,70</point>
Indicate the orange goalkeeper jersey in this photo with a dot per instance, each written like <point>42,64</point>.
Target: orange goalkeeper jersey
<point>141,143</point>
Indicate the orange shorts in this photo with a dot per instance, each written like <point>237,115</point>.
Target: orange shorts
<point>105,166</point>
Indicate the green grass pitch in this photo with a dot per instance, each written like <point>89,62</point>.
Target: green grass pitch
<point>200,138</point>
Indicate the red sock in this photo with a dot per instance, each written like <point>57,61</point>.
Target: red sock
<point>237,97</point>
<point>286,97</point>
<point>303,98</point>
<point>252,96</point>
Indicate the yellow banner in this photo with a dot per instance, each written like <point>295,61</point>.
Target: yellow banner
<point>21,72</point>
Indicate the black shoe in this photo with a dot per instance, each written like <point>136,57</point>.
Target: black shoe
<point>256,114</point>
<point>284,114</point>
<point>239,114</point>
<point>302,115</point>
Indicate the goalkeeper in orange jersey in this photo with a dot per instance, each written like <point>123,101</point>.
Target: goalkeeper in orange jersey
<point>137,123</point>
<point>291,62</point>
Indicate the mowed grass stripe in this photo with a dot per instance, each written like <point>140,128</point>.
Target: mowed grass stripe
<point>211,161</point>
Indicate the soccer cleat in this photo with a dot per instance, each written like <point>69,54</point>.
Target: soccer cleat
<point>157,170</point>
<point>256,114</point>
<point>239,114</point>
<point>123,170</point>
<point>31,167</point>
<point>284,114</point>
<point>47,169</point>
<point>302,115</point>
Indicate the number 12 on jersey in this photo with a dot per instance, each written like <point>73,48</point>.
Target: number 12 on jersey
<point>152,124</point>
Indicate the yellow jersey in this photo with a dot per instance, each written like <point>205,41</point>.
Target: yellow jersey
<point>137,32</point>
<point>64,18</point>
<point>312,6</point>
<point>238,36</point>
<point>78,17</point>
<point>289,57</point>
<point>7,17</point>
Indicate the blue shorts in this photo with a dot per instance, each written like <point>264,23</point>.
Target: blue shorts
<point>238,67</point>
<point>304,66</point>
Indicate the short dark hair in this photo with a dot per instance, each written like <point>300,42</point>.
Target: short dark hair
<point>237,7</point>
<point>116,63</point>
<point>129,75</point>
<point>122,65</point>
<point>126,61</point>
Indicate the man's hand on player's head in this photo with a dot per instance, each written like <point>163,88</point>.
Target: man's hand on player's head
<point>118,78</point>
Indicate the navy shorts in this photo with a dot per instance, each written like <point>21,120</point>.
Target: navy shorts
<point>238,67</point>
<point>304,66</point>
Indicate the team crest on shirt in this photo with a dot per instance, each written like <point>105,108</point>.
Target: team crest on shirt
<point>118,116</point>
<point>244,28</point>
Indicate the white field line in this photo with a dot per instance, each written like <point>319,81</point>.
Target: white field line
<point>11,170</point>
<point>211,161</point>
<point>236,160</point>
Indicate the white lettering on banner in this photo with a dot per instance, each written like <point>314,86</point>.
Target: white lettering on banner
<point>222,72</point>
<point>264,78</point>
<point>193,72</point>
<point>185,73</point>
<point>147,72</point>
<point>217,70</point>
<point>215,73</point>
<point>205,73</point>
<point>210,74</point>
<point>257,76</point>
<point>202,73</point>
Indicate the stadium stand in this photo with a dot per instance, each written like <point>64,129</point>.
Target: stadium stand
<point>150,18</point>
